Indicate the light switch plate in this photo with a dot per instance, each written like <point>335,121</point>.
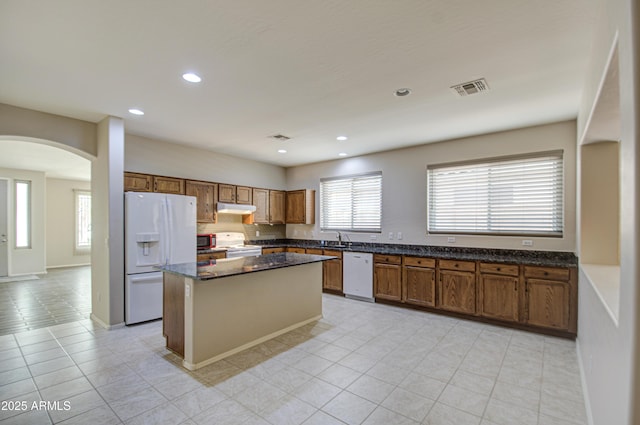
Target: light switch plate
<point>399,235</point>
<point>390,235</point>
<point>527,242</point>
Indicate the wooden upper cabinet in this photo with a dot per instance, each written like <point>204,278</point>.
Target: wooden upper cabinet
<point>206,194</point>
<point>276,206</point>
<point>457,286</point>
<point>419,281</point>
<point>300,206</point>
<point>168,185</point>
<point>261,201</point>
<point>226,193</point>
<point>499,288</point>
<point>550,297</point>
<point>244,195</point>
<point>136,182</point>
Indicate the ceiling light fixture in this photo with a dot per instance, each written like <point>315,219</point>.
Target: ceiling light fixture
<point>282,151</point>
<point>403,92</point>
<point>341,138</point>
<point>342,154</point>
<point>191,77</point>
<point>136,111</point>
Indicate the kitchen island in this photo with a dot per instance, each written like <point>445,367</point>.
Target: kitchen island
<point>214,309</point>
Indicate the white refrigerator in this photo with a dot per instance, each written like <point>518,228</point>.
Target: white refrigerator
<point>159,229</point>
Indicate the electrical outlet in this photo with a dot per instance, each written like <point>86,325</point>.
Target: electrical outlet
<point>399,235</point>
<point>451,239</point>
<point>390,235</point>
<point>187,290</point>
<point>257,233</point>
<point>527,242</point>
<point>373,237</point>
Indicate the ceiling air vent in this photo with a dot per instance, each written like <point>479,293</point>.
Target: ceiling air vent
<point>472,87</point>
<point>280,137</point>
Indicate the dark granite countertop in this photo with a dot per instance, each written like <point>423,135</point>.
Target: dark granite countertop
<point>225,267</point>
<point>492,255</point>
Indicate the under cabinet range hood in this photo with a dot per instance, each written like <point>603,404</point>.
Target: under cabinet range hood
<point>224,208</point>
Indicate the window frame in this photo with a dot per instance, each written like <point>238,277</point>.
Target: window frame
<point>18,214</point>
<point>351,228</point>
<point>81,249</point>
<point>558,205</point>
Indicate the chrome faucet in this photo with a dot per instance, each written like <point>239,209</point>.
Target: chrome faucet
<point>339,238</point>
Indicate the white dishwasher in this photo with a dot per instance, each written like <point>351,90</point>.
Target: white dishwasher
<point>357,275</point>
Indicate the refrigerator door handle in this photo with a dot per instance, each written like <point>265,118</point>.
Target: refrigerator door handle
<point>166,240</point>
<point>171,227</point>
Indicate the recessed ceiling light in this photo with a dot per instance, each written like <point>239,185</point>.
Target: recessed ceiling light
<point>136,111</point>
<point>282,151</point>
<point>403,92</point>
<point>341,138</point>
<point>342,154</point>
<point>191,77</point>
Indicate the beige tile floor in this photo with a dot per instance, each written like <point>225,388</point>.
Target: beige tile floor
<point>361,364</point>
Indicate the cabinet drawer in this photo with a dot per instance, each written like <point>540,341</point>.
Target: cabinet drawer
<point>546,273</point>
<point>271,250</point>
<point>468,266</point>
<point>333,253</point>
<point>314,251</point>
<point>508,269</point>
<point>387,259</point>
<point>419,262</point>
<point>296,250</point>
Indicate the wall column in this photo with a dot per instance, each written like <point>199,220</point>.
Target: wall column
<point>107,217</point>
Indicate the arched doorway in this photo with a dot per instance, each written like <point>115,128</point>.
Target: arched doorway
<point>45,259</point>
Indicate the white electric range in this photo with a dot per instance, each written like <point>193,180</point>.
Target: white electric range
<point>233,242</point>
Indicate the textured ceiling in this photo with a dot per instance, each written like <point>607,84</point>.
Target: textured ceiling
<point>311,70</point>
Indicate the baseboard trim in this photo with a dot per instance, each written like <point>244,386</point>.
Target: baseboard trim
<point>68,265</point>
<point>104,325</point>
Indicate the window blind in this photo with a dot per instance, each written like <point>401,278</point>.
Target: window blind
<point>509,196</point>
<point>351,203</point>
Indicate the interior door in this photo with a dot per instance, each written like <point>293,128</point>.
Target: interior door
<point>4,207</point>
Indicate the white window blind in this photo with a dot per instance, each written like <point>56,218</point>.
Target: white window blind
<point>351,203</point>
<point>83,220</point>
<point>510,196</point>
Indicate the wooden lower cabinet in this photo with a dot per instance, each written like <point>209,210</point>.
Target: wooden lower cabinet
<point>551,298</point>
<point>457,289</point>
<point>499,296</point>
<point>211,256</point>
<point>296,250</point>
<point>332,271</point>
<point>173,312</point>
<point>387,276</point>
<point>419,281</point>
<point>271,250</point>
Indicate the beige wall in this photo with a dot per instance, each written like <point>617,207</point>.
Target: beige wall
<point>609,352</point>
<point>157,157</point>
<point>61,222</point>
<point>74,135</point>
<point>26,260</point>
<point>404,177</point>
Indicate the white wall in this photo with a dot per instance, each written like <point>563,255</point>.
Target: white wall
<point>609,352</point>
<point>404,177</point>
<point>61,222</point>
<point>27,260</point>
<point>162,158</point>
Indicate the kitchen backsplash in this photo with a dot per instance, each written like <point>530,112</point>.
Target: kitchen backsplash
<point>233,223</point>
